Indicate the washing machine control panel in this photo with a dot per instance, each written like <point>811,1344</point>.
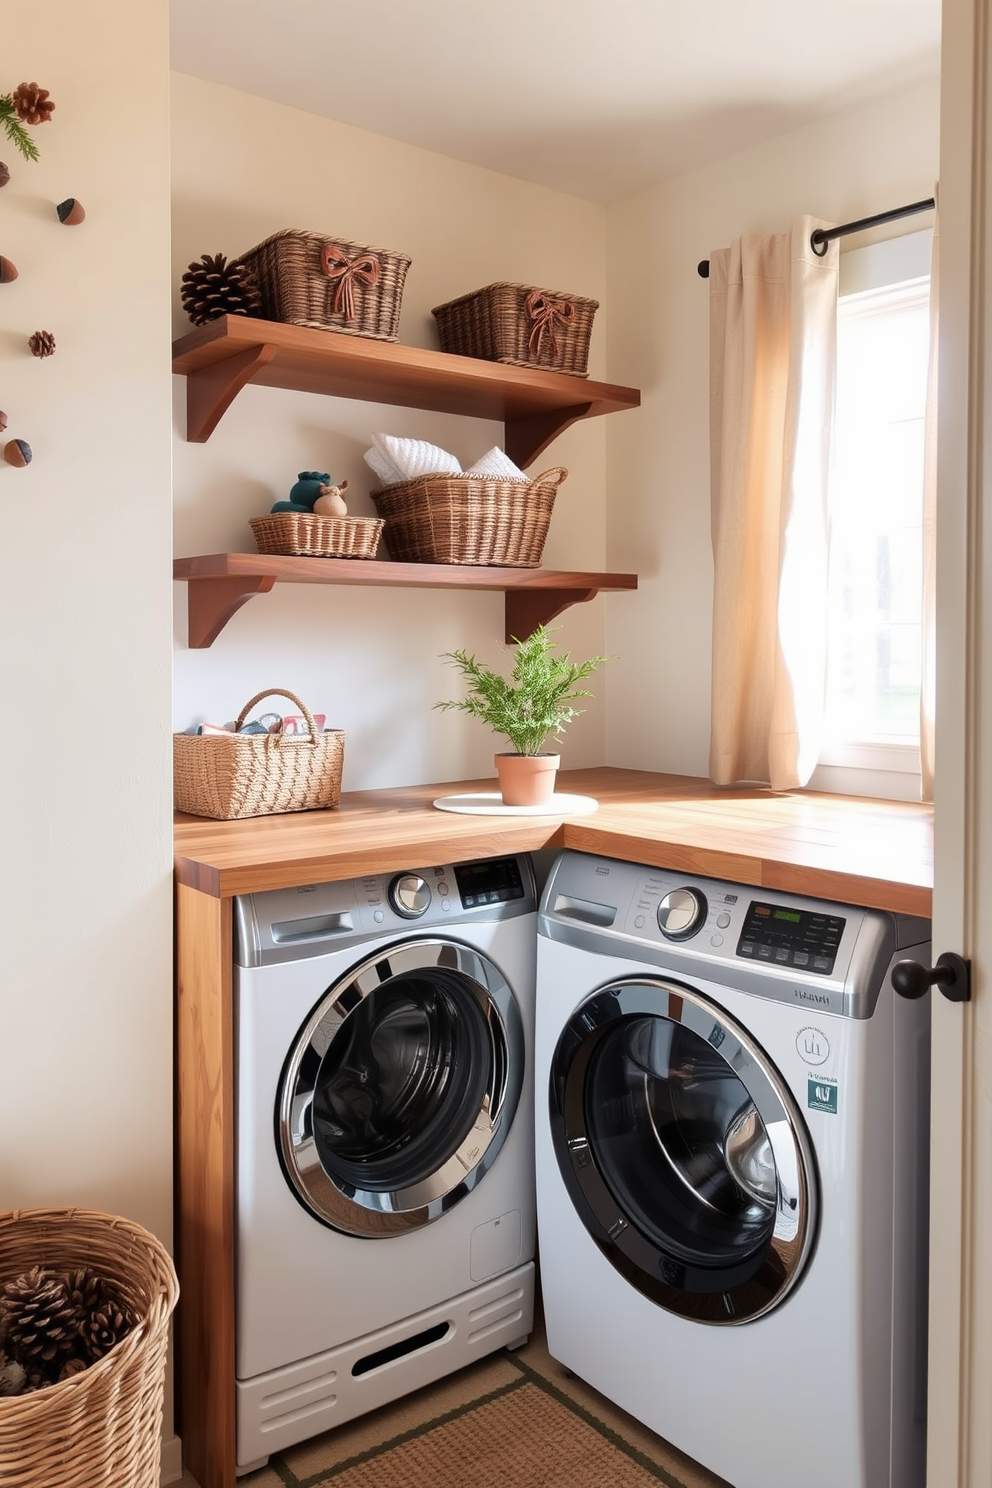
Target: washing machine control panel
<point>409,895</point>
<point>788,936</point>
<point>681,912</point>
<point>492,881</point>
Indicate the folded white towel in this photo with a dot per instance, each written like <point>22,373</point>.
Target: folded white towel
<point>497,465</point>
<point>383,466</point>
<point>412,457</point>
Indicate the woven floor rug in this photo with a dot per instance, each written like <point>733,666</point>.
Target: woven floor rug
<point>517,1419</point>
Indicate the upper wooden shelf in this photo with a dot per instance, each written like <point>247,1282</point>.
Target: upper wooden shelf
<point>220,358</point>
<point>220,583</point>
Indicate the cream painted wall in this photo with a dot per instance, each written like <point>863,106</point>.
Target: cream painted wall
<point>864,160</point>
<point>86,981</point>
<point>242,169</point>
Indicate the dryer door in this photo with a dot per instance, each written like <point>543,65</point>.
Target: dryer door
<point>401,1088</point>
<point>683,1151</point>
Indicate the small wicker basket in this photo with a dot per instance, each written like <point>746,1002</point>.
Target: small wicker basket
<point>468,519</point>
<point>519,325</point>
<point>104,1425</point>
<point>309,535</point>
<point>309,279</point>
<point>229,776</point>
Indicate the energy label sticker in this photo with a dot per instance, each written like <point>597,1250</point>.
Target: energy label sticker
<point>821,1097</point>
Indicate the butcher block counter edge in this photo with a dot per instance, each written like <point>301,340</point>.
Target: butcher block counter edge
<point>855,850</point>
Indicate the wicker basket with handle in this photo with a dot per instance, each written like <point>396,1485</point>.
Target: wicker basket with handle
<point>310,535</point>
<point>310,279</point>
<point>229,776</point>
<point>467,519</point>
<point>103,1425</point>
<point>519,325</point>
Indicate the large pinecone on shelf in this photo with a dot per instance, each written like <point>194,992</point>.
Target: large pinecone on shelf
<point>215,287</point>
<point>32,103</point>
<point>41,1322</point>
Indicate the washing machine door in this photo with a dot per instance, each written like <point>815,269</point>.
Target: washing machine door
<point>401,1088</point>
<point>683,1151</point>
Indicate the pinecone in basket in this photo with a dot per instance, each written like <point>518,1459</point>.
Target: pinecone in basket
<point>215,287</point>
<point>32,103</point>
<point>109,1322</point>
<point>42,1325</point>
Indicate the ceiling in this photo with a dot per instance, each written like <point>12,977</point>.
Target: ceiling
<point>597,98</point>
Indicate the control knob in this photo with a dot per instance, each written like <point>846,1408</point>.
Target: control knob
<point>681,912</point>
<point>409,895</point>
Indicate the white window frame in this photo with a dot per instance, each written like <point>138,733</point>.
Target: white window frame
<point>869,768</point>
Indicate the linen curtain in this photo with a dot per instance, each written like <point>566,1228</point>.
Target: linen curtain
<point>928,657</point>
<point>773,313</point>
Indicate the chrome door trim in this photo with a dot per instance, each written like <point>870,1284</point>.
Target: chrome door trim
<point>374,1213</point>
<point>637,1256</point>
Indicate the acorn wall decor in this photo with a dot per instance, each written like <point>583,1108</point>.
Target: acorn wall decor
<point>71,212</point>
<point>8,270</point>
<point>42,344</point>
<point>17,452</point>
<point>28,104</point>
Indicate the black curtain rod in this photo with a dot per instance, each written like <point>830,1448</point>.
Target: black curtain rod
<point>821,238</point>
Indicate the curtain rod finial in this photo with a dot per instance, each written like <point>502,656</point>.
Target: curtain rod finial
<point>703,268</point>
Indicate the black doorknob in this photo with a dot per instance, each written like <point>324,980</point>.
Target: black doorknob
<point>952,974</point>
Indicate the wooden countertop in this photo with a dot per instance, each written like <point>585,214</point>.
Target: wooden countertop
<point>852,849</point>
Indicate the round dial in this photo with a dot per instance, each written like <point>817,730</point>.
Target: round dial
<point>409,895</point>
<point>681,912</point>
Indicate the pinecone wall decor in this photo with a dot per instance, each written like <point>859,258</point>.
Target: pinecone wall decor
<point>214,287</point>
<point>42,344</point>
<point>28,104</point>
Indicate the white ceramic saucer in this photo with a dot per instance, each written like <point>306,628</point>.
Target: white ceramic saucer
<point>490,803</point>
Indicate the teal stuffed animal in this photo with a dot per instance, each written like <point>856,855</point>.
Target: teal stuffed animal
<point>305,492</point>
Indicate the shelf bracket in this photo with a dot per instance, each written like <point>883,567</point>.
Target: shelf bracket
<point>526,609</point>
<point>211,391</point>
<point>212,601</point>
<point>526,438</point>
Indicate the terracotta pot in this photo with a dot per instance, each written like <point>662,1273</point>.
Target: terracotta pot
<point>527,779</point>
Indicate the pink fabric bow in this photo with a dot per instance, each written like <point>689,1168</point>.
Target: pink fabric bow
<point>345,270</point>
<point>544,311</point>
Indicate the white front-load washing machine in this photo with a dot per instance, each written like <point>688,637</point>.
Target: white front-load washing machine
<point>384,1165</point>
<point>732,1135</point>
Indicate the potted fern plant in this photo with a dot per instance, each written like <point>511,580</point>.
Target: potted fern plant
<point>537,701</point>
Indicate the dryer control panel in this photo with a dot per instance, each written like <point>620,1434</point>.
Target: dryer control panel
<point>307,920</point>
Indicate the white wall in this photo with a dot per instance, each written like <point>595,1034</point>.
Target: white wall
<point>86,894</point>
<point>244,168</point>
<point>865,160</point>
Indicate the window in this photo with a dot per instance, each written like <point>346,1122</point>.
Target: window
<point>874,629</point>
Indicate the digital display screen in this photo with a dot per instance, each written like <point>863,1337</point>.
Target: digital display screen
<point>803,940</point>
<point>492,882</point>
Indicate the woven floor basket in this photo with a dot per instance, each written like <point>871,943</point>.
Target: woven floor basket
<point>312,536</point>
<point>467,519</point>
<point>228,776</point>
<point>309,279</point>
<point>104,1425</point>
<point>519,325</point>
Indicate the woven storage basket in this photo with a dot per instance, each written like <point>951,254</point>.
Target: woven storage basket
<point>104,1425</point>
<point>520,325</point>
<point>309,279</point>
<point>468,519</point>
<point>313,536</point>
<point>228,776</point>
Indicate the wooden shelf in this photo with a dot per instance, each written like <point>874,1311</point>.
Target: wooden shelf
<point>220,583</point>
<point>222,357</point>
